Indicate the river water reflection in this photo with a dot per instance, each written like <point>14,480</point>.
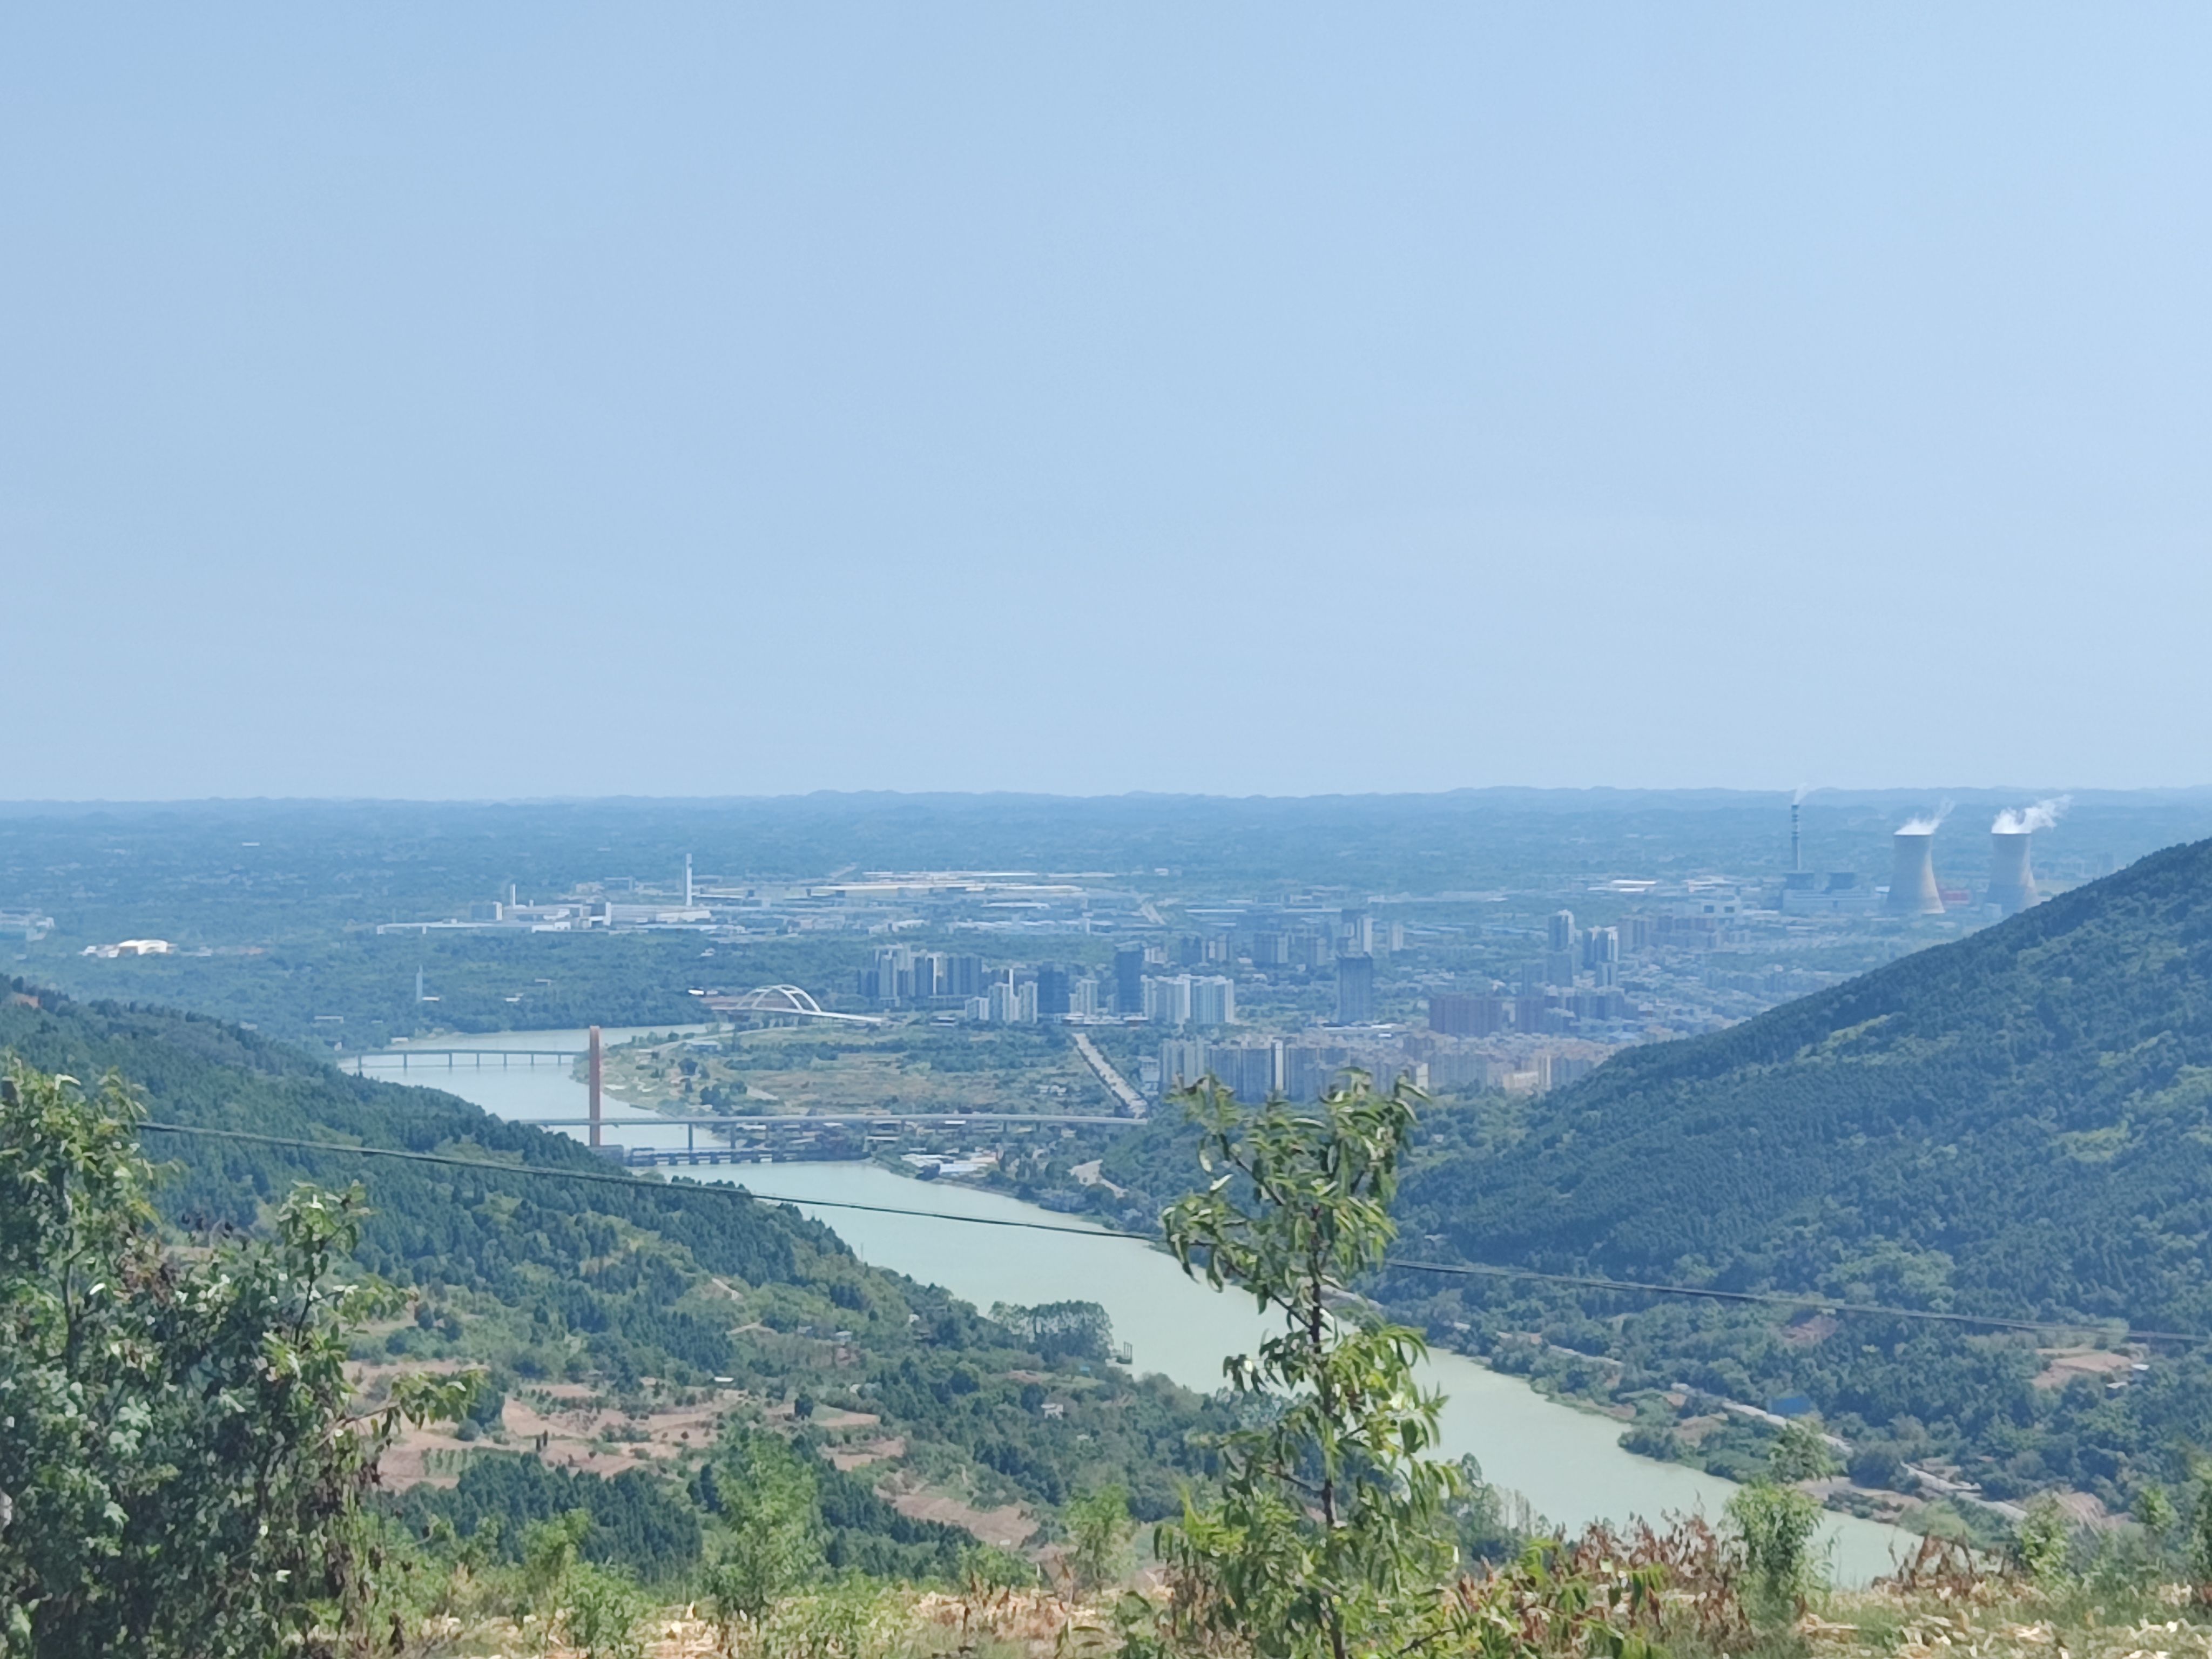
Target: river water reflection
<point>1568,1463</point>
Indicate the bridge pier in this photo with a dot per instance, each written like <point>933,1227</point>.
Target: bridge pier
<point>595,1086</point>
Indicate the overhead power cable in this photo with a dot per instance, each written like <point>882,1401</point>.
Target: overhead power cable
<point>1454,1269</point>
<point>487,1166</point>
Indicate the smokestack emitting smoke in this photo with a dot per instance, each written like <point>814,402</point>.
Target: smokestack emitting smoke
<point>1912,889</point>
<point>1796,856</point>
<point>1925,823</point>
<point>2026,820</point>
<point>2012,881</point>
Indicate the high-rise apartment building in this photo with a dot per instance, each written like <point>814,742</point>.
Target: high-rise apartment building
<point>1129,979</point>
<point>1052,991</point>
<point>1466,1016</point>
<point>1250,1071</point>
<point>1560,931</point>
<point>1214,1001</point>
<point>1182,1062</point>
<point>1355,932</point>
<point>1355,989</point>
<point>1167,999</point>
<point>890,975</point>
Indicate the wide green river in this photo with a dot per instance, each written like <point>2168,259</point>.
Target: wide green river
<point>1566,1462</point>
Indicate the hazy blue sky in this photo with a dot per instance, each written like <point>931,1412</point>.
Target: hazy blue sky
<point>538,400</point>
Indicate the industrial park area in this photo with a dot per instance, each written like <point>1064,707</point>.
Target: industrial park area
<point>1281,997</point>
<point>952,990</point>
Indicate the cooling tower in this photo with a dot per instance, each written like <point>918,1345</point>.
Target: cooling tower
<point>2011,883</point>
<point>1913,875</point>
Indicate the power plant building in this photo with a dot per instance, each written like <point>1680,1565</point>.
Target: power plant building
<point>1837,893</point>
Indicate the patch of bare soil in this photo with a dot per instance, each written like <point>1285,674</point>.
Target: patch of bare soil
<point>2061,1365</point>
<point>887,1449</point>
<point>567,1425</point>
<point>1008,1528</point>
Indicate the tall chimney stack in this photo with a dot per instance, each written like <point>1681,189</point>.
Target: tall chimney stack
<point>1796,856</point>
<point>2012,883</point>
<point>1913,890</point>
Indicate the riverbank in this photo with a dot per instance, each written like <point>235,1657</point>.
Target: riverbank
<point>988,1248</point>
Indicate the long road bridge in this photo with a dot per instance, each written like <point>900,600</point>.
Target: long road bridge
<point>453,1056</point>
<point>771,1000</point>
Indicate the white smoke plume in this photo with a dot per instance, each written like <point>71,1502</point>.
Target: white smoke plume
<point>2024,821</point>
<point>1803,790</point>
<point>1925,823</point>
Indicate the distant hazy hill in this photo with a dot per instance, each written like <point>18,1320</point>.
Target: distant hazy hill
<point>2019,1123</point>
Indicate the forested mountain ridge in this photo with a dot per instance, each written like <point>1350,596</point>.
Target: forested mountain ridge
<point>644,1293</point>
<point>2017,1125</point>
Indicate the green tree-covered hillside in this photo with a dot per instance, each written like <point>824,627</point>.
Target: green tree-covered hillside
<point>2017,1125</point>
<point>635,1297</point>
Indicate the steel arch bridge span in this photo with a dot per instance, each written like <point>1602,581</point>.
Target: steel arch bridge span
<point>784,1001</point>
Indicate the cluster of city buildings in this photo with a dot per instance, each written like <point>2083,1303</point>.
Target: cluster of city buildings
<point>1298,1068</point>
<point>958,983</point>
<point>1555,1024</point>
